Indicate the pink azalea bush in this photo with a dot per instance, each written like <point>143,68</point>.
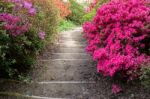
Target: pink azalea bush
<point>12,24</point>
<point>20,41</point>
<point>23,4</point>
<point>118,37</point>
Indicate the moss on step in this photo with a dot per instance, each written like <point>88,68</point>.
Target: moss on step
<point>11,95</point>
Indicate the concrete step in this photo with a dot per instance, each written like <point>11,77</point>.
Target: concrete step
<point>80,39</point>
<point>14,97</point>
<point>52,90</point>
<point>72,42</point>
<point>47,55</point>
<point>67,50</point>
<point>68,45</point>
<point>65,70</point>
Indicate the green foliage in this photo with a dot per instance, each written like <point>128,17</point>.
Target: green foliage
<point>5,7</point>
<point>66,25</point>
<point>17,54</point>
<point>77,12</point>
<point>89,16</point>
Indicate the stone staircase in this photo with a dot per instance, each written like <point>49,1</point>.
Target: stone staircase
<point>64,72</point>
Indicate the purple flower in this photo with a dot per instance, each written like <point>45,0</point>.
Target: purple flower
<point>27,5</point>
<point>41,35</point>
<point>32,11</point>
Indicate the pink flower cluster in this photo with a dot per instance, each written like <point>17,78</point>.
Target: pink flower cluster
<point>118,37</point>
<point>13,24</point>
<point>23,4</point>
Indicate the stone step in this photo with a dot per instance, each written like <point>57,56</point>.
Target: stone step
<point>72,42</point>
<point>47,56</point>
<point>65,70</point>
<point>80,39</point>
<point>14,97</point>
<point>69,63</point>
<point>67,45</point>
<point>72,32</point>
<point>67,50</point>
<point>72,35</point>
<point>52,90</point>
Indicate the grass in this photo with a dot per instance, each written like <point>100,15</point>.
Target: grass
<point>66,25</point>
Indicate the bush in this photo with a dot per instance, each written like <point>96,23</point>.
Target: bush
<point>118,38</point>
<point>66,25</point>
<point>89,16</point>
<point>63,8</point>
<point>77,12</point>
<point>47,19</point>
<point>24,31</point>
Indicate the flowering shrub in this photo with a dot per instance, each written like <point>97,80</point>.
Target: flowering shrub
<point>63,8</point>
<point>12,24</point>
<point>24,30</point>
<point>118,38</point>
<point>47,18</point>
<point>20,4</point>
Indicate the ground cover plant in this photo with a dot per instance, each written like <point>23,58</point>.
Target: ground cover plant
<point>66,25</point>
<point>118,38</point>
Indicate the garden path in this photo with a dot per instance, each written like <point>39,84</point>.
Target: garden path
<point>65,71</point>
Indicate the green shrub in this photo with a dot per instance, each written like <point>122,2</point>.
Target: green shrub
<point>89,16</point>
<point>66,25</point>
<point>77,12</point>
